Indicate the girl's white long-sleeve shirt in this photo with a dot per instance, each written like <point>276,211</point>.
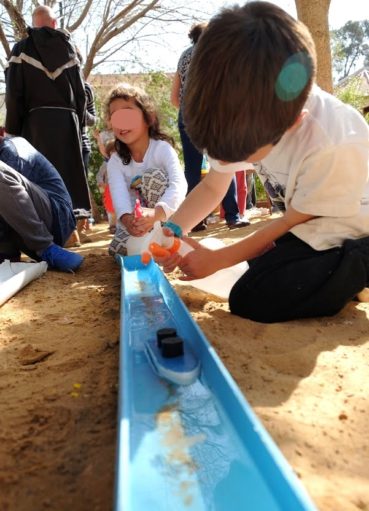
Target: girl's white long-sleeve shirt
<point>161,155</point>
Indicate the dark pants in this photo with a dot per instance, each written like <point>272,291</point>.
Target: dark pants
<point>25,215</point>
<point>251,191</point>
<point>294,281</point>
<point>193,162</point>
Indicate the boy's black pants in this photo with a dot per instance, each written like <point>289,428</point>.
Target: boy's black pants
<point>294,281</point>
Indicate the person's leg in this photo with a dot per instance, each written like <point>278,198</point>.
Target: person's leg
<point>154,182</point>
<point>118,244</point>
<point>230,207</point>
<point>193,162</point>
<point>250,197</point>
<point>192,158</point>
<point>241,191</point>
<point>294,281</point>
<point>26,209</point>
<point>85,226</point>
<point>8,246</point>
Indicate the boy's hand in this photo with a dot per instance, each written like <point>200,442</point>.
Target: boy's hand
<point>197,264</point>
<point>200,263</point>
<point>170,263</point>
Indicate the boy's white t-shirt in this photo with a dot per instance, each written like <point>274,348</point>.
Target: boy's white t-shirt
<point>161,155</point>
<point>321,167</point>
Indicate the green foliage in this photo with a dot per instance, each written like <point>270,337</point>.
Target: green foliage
<point>353,95</point>
<point>350,44</point>
<point>95,163</point>
<point>96,159</point>
<point>260,190</point>
<point>158,86</point>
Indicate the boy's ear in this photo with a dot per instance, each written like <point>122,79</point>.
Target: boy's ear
<point>300,117</point>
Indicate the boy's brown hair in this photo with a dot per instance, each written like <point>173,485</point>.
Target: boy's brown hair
<point>249,78</point>
<point>145,103</point>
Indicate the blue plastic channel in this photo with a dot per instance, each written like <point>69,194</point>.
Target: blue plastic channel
<point>198,447</point>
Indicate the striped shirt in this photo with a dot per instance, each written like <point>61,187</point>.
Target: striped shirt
<point>90,118</point>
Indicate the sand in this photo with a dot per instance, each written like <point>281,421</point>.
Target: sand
<point>306,380</point>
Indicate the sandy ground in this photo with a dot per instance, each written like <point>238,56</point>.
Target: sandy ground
<point>306,380</point>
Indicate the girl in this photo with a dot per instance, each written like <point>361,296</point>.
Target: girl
<point>145,166</point>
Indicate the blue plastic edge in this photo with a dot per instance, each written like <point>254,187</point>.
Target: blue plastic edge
<point>283,481</point>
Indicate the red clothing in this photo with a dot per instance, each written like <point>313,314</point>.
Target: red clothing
<point>108,203</point>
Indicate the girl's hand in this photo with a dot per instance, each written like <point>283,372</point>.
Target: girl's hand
<point>146,221</point>
<point>128,222</point>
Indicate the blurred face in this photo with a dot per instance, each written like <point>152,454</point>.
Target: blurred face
<point>127,121</point>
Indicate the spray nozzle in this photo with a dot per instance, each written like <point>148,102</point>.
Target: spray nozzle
<point>137,209</point>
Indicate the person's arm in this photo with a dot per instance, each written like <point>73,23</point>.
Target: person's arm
<point>100,143</point>
<point>202,200</point>
<point>120,195</point>
<point>202,262</point>
<point>91,117</point>
<point>118,187</point>
<point>174,95</point>
<point>101,176</point>
<point>167,159</point>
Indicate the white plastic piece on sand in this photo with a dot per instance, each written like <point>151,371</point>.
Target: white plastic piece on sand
<point>256,213</point>
<point>14,276</point>
<point>221,282</point>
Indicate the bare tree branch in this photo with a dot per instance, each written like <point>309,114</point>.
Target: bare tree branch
<point>20,27</point>
<point>103,27</point>
<point>79,21</point>
<point>4,41</point>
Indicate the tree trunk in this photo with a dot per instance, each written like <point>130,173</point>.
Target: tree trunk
<point>314,13</point>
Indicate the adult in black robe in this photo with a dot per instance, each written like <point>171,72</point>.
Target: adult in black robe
<point>46,101</point>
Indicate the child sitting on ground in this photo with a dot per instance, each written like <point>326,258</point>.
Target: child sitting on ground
<point>36,213</point>
<point>255,101</point>
<point>145,166</point>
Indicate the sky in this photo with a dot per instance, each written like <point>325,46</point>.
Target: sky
<point>165,56</point>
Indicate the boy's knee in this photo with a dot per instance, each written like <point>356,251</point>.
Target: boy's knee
<point>4,183</point>
<point>8,176</point>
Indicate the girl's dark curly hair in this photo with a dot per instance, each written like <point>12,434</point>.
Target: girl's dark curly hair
<point>145,103</point>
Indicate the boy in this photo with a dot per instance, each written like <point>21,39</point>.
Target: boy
<point>36,214</point>
<point>250,97</point>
